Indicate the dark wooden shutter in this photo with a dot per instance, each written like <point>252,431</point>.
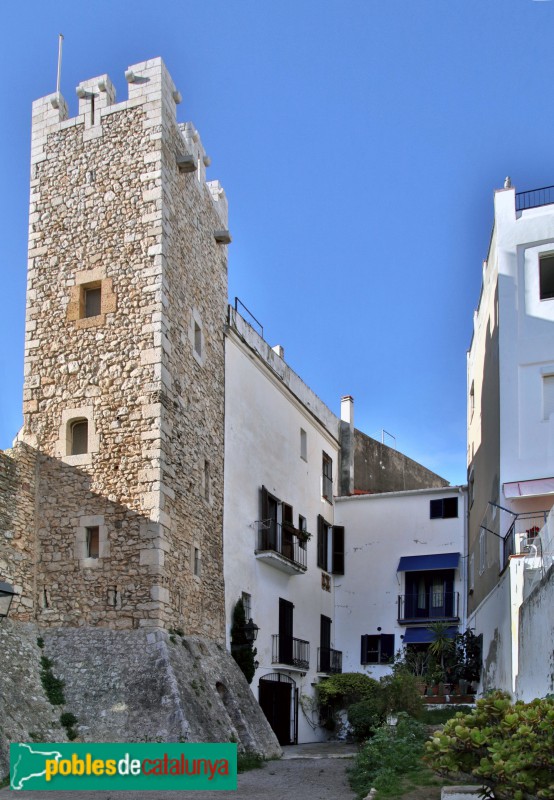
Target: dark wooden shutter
<point>285,631</point>
<point>363,655</point>
<point>435,509</point>
<point>387,648</point>
<point>320,534</point>
<point>450,507</point>
<point>264,504</point>
<point>338,550</point>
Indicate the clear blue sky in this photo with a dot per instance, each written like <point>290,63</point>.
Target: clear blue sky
<point>359,143</point>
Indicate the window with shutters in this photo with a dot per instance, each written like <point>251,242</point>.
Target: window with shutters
<point>330,546</point>
<point>445,508</point>
<point>377,649</point>
<point>327,477</point>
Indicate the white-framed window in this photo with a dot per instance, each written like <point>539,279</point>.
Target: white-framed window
<point>547,396</point>
<point>196,334</point>
<point>91,541</point>
<point>77,437</point>
<point>482,551</point>
<point>546,276</point>
<point>247,603</point>
<point>303,444</point>
<point>327,477</point>
<point>197,562</point>
<point>471,573</point>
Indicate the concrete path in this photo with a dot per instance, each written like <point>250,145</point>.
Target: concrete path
<point>307,771</point>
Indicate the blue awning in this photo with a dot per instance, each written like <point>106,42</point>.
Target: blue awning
<point>425,635</point>
<point>437,561</point>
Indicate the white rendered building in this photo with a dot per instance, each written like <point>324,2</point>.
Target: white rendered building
<point>511,428</point>
<point>404,570</point>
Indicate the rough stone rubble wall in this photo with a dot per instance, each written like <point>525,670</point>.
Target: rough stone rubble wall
<point>25,712</point>
<point>18,469</point>
<point>149,686</point>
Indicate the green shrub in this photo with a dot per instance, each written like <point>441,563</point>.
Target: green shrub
<point>390,754</point>
<point>347,688</point>
<point>248,760</point>
<point>53,687</point>
<point>401,693</point>
<point>367,701</point>
<point>365,716</point>
<point>508,747</point>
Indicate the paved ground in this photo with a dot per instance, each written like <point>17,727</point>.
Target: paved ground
<point>307,772</point>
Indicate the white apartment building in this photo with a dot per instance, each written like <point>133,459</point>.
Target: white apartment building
<point>510,425</point>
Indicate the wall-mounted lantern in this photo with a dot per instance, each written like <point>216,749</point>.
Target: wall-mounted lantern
<point>250,631</point>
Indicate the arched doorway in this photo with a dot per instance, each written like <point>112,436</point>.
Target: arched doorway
<point>278,698</point>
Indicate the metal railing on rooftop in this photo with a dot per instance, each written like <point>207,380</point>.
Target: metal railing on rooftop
<point>534,198</point>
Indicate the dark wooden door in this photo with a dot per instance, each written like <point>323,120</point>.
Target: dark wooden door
<point>276,702</point>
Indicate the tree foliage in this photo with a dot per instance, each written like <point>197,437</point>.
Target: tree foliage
<point>241,649</point>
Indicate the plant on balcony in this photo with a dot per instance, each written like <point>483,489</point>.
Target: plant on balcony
<point>241,649</point>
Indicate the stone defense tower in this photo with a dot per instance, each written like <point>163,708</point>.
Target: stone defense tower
<point>124,361</point>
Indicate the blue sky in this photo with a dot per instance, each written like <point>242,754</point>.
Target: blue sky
<point>359,143</point>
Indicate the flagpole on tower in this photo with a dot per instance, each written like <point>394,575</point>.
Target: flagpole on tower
<point>60,40</point>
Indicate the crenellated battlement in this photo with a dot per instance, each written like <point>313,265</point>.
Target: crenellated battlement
<point>151,87</point>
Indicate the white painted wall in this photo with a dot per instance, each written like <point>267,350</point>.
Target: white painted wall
<point>525,357</point>
<point>266,406</point>
<point>381,528</point>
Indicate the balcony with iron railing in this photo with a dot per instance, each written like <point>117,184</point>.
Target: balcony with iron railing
<point>329,661</point>
<point>526,526</point>
<point>282,546</point>
<point>291,652</point>
<point>428,606</point>
<point>535,198</point>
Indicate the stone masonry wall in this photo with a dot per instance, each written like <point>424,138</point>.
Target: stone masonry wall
<point>110,210</point>
<point>151,686</point>
<point>18,470</point>
<point>25,712</point>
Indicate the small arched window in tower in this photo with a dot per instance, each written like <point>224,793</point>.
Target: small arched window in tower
<point>78,437</point>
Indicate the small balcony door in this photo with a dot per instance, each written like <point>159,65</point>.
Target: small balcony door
<point>429,595</point>
<point>285,631</point>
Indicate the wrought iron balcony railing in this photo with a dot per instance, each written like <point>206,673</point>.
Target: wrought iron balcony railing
<point>534,198</point>
<point>288,650</point>
<point>288,542</point>
<point>428,606</point>
<point>329,660</point>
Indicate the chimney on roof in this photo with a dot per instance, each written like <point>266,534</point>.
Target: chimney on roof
<point>346,438</point>
<point>347,409</point>
<point>279,350</point>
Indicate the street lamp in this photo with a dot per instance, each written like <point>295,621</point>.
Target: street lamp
<point>6,596</point>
